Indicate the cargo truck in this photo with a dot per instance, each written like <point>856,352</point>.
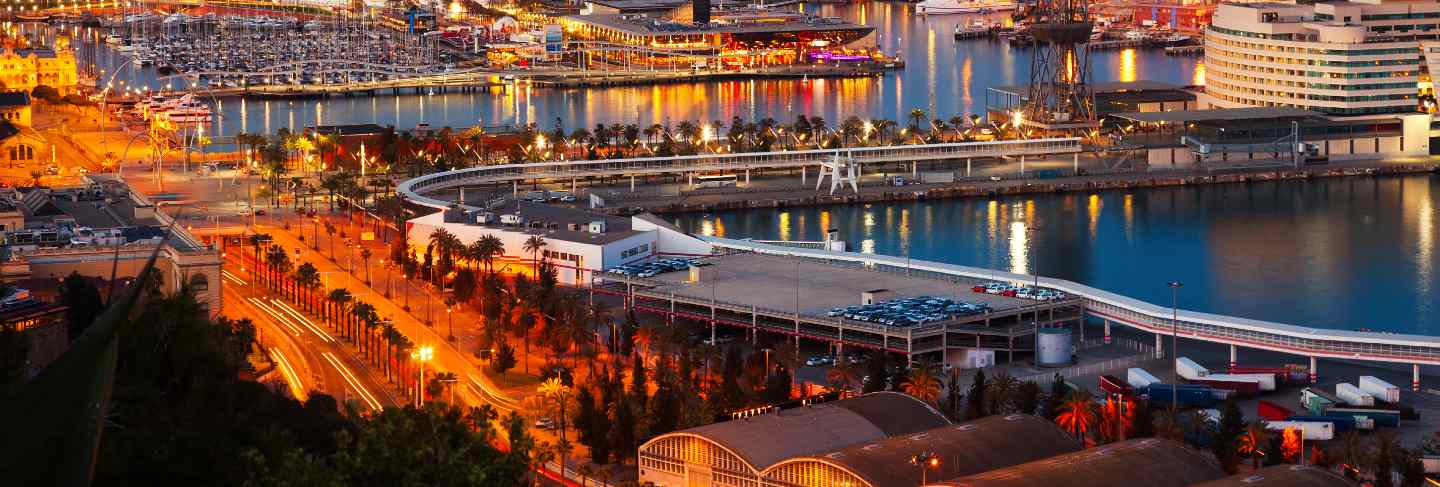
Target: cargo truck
<point>1242,387</point>
<point>1382,417</point>
<point>1379,389</point>
<point>1185,395</point>
<point>1284,373</point>
<point>1342,423</point>
<point>1189,369</point>
<point>1310,430</point>
<point>1353,395</point>
<point>1139,378</point>
<point>1113,385</point>
<point>1266,381</point>
<point>1270,411</point>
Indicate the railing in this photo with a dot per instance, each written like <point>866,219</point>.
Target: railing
<point>412,189</point>
<point>1280,337</point>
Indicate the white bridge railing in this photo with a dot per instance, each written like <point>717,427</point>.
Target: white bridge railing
<point>414,189</point>
<point>1099,303</point>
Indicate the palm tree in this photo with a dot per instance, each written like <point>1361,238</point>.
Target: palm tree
<point>534,245</point>
<point>484,251</point>
<point>1079,413</point>
<point>307,278</point>
<point>999,390</point>
<point>1253,442</point>
<point>392,338</point>
<point>280,265</point>
<point>922,384</point>
<point>444,243</point>
<point>365,257</point>
<point>644,337</point>
<point>361,313</point>
<point>843,375</point>
<point>557,391</point>
<point>330,232</point>
<point>337,298</point>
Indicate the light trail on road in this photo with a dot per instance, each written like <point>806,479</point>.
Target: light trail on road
<point>353,381</point>
<point>233,278</point>
<point>303,320</point>
<point>276,316</point>
<point>297,388</point>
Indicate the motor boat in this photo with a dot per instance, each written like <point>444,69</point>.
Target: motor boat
<point>947,7</point>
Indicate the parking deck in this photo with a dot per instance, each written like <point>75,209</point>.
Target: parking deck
<point>792,296</point>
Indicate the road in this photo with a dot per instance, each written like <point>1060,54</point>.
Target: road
<point>310,358</point>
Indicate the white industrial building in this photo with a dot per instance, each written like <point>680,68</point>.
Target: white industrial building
<point>578,242</point>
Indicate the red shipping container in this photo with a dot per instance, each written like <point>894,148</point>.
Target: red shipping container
<point>1270,411</point>
<point>1113,385</point>
<point>1241,387</point>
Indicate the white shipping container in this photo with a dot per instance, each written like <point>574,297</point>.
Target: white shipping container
<point>1266,381</point>
<point>1353,395</point>
<point>1189,369</point>
<point>1139,378</point>
<point>1311,430</point>
<point>1381,390</point>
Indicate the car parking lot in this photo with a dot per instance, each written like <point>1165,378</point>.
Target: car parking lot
<point>908,311</point>
<point>652,269</point>
<point>1022,292</point>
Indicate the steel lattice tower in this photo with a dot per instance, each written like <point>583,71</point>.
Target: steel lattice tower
<point>1060,96</point>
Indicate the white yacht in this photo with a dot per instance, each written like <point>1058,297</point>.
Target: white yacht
<point>947,7</point>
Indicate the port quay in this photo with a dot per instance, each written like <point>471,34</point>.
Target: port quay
<point>790,297</point>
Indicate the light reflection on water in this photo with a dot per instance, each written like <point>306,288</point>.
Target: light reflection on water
<point>937,67</point>
<point>1334,253</point>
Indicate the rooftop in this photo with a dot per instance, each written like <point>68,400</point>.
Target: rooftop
<point>1219,115</point>
<point>964,449</point>
<point>765,439</point>
<point>1282,476</point>
<point>1149,462</point>
<point>639,25</point>
<point>538,216</point>
<point>14,99</point>
<point>769,281</point>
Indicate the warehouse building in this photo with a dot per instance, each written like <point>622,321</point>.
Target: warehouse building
<point>733,453</point>
<point>1282,476</point>
<point>964,449</point>
<point>1149,462</point>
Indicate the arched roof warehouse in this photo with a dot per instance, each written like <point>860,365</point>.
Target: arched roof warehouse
<point>1282,476</point>
<point>762,440</point>
<point>1148,462</point>
<point>964,449</point>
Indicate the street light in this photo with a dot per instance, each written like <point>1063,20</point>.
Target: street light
<point>926,460</point>
<point>1174,343</point>
<point>422,355</point>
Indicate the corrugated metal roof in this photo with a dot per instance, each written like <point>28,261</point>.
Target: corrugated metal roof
<point>1149,462</point>
<point>963,449</point>
<point>1282,476</point>
<point>1219,115</point>
<point>766,439</point>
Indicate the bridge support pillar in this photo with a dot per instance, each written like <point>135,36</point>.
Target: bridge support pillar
<point>914,169</point>
<point>1232,354</point>
<point>515,188</point>
<point>1314,370</point>
<point>1415,377</point>
<point>574,183</point>
<point>1107,332</point>
<point>967,167</point>
<point>747,177</point>
<point>632,183</point>
<point>690,179</point>
<point>1159,347</point>
<point>1075,163</point>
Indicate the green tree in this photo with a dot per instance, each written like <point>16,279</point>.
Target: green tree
<point>45,93</point>
<point>82,303</point>
<point>639,390</point>
<point>975,399</point>
<point>623,435</point>
<point>1385,449</point>
<point>875,372</point>
<point>1232,425</point>
<point>1027,397</point>
<point>1055,399</point>
<point>1142,423</point>
<point>503,359</point>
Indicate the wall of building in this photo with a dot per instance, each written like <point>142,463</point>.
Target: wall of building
<point>26,72</point>
<point>584,258</point>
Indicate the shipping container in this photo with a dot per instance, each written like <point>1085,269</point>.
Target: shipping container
<point>1186,395</point>
<point>1266,381</point>
<point>1342,423</point>
<point>1310,430</point>
<point>1139,378</point>
<point>1353,395</point>
<point>1285,373</point>
<point>1113,385</point>
<point>1270,411</point>
<point>1379,389</point>
<point>1313,401</point>
<point>1189,369</point>
<point>1240,386</point>
<point>1382,417</point>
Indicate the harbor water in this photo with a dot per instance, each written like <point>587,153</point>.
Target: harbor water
<point>943,76</point>
<point>1352,253</point>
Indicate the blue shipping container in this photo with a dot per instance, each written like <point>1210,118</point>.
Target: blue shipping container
<point>1382,417</point>
<point>1187,395</point>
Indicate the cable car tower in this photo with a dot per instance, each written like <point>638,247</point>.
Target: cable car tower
<point>1060,98</point>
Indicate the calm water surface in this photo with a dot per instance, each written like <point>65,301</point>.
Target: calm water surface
<point>943,76</point>
<point>1336,253</point>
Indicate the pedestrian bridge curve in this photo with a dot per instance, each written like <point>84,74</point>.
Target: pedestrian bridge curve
<point>415,189</point>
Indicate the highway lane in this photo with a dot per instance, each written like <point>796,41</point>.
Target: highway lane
<point>317,360</point>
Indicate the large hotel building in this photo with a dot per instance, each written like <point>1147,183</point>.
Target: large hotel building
<point>1353,58</point>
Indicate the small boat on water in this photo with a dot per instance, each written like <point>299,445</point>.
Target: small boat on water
<point>947,7</point>
<point>975,30</point>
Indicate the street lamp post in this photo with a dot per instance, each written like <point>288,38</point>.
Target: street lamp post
<point>1174,343</point>
<point>407,292</point>
<point>422,355</point>
<point>926,460</point>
